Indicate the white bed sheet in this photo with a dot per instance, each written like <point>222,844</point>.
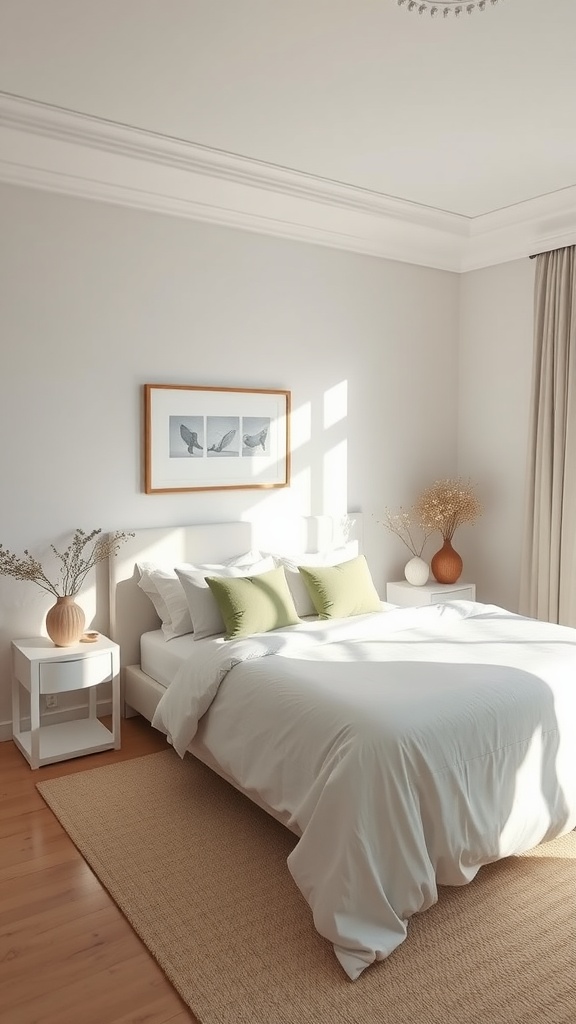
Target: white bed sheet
<point>161,658</point>
<point>407,749</point>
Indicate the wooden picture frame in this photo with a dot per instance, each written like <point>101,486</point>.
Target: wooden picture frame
<point>210,438</point>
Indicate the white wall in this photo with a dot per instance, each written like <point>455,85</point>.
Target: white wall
<point>496,344</point>
<point>96,300</point>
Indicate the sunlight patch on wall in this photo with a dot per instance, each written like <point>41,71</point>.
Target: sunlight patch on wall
<point>335,489</point>
<point>302,484</point>
<point>301,426</point>
<point>319,465</point>
<point>335,404</point>
<point>293,500</point>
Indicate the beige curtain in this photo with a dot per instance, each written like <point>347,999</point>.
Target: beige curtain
<point>548,575</point>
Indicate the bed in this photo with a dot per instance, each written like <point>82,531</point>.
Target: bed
<point>405,747</point>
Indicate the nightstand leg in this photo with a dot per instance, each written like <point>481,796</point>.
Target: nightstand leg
<point>15,707</point>
<point>35,721</point>
<point>116,711</point>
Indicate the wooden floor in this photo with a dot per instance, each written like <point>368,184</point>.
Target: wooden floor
<point>67,954</point>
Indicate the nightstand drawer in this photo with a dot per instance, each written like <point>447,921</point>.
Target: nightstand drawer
<point>59,676</point>
<point>464,593</point>
<point>405,594</point>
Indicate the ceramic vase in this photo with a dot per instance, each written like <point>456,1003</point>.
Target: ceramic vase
<point>65,622</point>
<point>417,571</point>
<point>446,564</point>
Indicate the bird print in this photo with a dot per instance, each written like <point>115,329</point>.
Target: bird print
<point>223,442</point>
<point>253,440</point>
<point>190,438</point>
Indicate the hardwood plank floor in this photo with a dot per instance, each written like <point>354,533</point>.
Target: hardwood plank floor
<point>67,954</point>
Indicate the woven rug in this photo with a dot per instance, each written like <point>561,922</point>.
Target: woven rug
<point>200,873</point>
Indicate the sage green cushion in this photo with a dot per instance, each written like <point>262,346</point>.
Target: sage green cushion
<point>338,591</point>
<point>254,604</point>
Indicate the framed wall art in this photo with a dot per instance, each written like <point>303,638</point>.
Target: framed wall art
<point>209,438</point>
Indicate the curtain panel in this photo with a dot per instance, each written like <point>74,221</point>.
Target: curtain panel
<point>548,572</point>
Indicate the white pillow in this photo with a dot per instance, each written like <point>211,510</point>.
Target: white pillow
<point>146,583</point>
<point>202,605</point>
<point>298,588</point>
<point>165,591</point>
<point>248,558</point>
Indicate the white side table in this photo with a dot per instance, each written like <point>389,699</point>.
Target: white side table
<point>42,668</point>
<point>405,594</point>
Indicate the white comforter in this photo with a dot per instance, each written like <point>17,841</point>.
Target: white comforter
<point>406,749</point>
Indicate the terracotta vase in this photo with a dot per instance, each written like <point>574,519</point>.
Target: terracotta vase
<point>446,564</point>
<point>65,622</point>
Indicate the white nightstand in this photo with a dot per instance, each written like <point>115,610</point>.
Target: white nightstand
<point>42,668</point>
<point>404,593</point>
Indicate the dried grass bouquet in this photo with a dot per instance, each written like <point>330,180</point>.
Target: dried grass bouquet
<point>405,525</point>
<point>82,554</point>
<point>446,505</point>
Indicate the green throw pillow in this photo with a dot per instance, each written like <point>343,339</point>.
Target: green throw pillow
<point>254,604</point>
<point>338,591</point>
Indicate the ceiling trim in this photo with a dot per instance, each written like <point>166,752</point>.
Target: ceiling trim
<point>62,151</point>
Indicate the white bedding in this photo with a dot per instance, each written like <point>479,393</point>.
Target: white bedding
<point>161,658</point>
<point>407,748</point>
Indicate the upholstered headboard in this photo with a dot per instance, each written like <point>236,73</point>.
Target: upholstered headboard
<point>131,612</point>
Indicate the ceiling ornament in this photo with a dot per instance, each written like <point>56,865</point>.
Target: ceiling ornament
<point>444,8</point>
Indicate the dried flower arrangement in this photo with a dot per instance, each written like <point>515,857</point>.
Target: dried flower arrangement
<point>403,525</point>
<point>75,561</point>
<point>446,505</point>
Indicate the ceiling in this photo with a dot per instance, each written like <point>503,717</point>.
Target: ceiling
<point>467,116</point>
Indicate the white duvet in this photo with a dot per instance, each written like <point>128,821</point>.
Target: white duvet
<point>405,748</point>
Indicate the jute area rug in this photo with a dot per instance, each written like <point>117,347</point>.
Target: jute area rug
<point>200,873</point>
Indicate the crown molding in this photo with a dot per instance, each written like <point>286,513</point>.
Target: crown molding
<point>58,150</point>
<point>537,225</point>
